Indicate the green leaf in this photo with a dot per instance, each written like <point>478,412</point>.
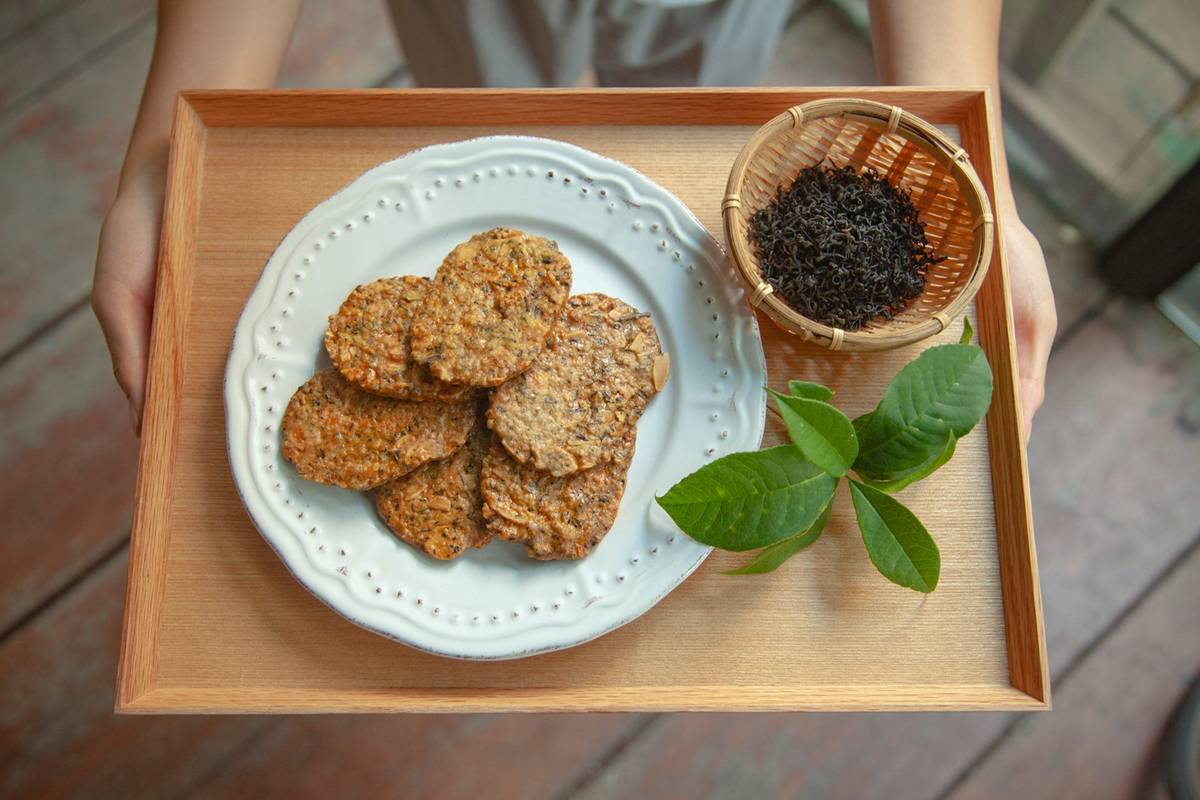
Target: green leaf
<point>945,390</point>
<point>822,433</point>
<point>861,422</point>
<point>744,501</point>
<point>771,557</point>
<point>893,482</point>
<point>968,331</point>
<point>898,544</point>
<point>810,391</point>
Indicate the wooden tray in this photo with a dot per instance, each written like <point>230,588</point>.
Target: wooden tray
<point>214,622</point>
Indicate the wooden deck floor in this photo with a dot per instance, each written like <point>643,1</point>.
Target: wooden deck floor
<point>1114,461</point>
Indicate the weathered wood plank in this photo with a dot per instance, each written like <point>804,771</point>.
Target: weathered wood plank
<point>1105,534</point>
<point>66,148</point>
<point>846,756</point>
<point>446,757</point>
<point>1108,721</point>
<point>58,735</point>
<point>1106,462</point>
<point>65,41</point>
<point>67,466</point>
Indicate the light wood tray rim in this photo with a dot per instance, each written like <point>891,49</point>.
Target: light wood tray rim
<point>141,684</point>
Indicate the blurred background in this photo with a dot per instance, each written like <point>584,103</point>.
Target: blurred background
<point>1103,129</point>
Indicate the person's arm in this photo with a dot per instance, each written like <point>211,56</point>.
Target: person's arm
<point>952,42</point>
<point>201,44</point>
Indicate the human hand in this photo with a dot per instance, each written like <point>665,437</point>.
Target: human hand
<point>123,286</point>
<point>1034,318</point>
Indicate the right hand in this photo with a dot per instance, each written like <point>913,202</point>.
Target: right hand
<point>123,286</point>
<point>1034,317</point>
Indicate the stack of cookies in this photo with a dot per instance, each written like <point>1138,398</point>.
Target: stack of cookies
<point>485,402</point>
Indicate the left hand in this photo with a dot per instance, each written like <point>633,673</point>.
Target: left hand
<point>1034,318</point>
<point>123,287</point>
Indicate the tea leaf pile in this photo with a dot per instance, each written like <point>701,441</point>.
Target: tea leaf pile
<point>842,247</point>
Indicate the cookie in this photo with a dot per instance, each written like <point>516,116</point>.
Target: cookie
<point>367,341</point>
<point>437,507</point>
<point>555,518</point>
<point>338,434</point>
<point>601,367</point>
<point>493,302</point>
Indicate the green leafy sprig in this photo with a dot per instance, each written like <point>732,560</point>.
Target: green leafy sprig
<point>778,500</point>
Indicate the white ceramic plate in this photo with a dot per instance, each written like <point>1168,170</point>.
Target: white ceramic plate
<point>625,236</point>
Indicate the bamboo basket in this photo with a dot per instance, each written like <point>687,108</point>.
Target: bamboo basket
<point>908,151</point>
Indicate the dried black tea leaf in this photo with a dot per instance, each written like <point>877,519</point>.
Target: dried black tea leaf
<point>842,247</point>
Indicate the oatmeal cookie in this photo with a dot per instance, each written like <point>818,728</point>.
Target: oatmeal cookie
<point>367,340</point>
<point>337,434</point>
<point>493,302</point>
<point>437,507</point>
<point>555,518</point>
<point>602,365</point>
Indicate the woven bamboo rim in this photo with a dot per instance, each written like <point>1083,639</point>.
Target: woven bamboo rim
<point>905,149</point>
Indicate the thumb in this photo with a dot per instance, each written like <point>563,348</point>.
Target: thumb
<point>125,319</point>
<point>1031,392</point>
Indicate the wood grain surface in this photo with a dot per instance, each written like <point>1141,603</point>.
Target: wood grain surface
<point>215,622</point>
<point>375,108</point>
<point>1027,660</point>
<point>155,492</point>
